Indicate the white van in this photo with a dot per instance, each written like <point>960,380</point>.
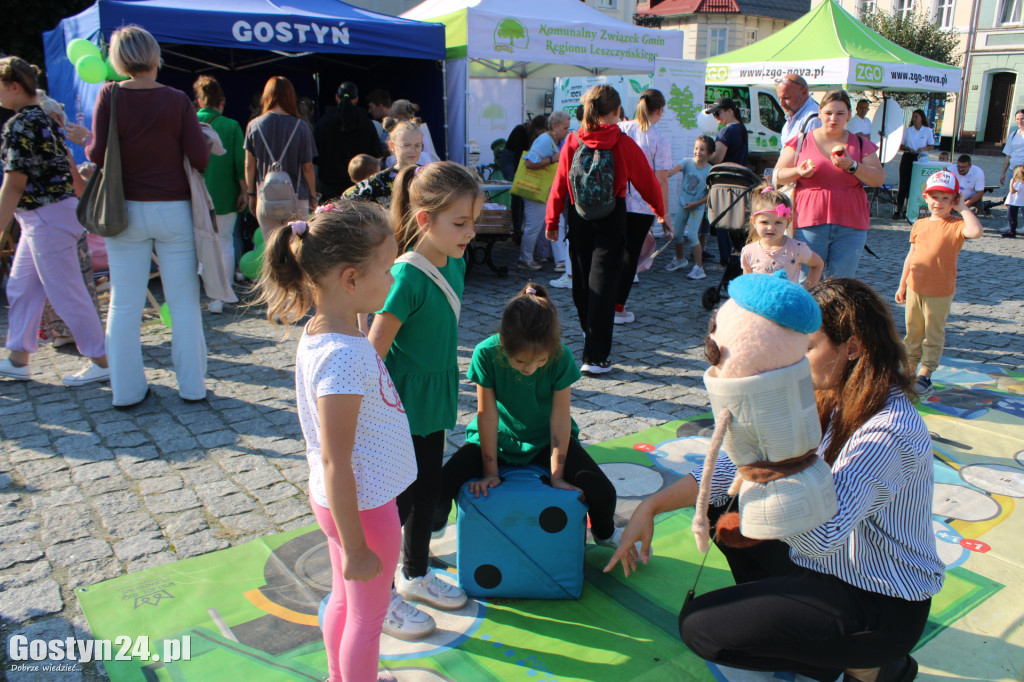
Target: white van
<point>763,120</point>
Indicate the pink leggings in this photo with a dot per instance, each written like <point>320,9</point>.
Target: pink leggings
<point>355,612</point>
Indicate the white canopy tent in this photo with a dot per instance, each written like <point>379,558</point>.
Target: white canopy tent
<point>516,39</point>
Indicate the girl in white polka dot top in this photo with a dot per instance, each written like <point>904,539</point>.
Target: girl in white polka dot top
<point>358,444</point>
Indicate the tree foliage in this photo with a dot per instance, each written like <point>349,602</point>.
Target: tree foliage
<point>919,33</point>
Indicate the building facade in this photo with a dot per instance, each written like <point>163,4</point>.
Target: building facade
<point>712,27</point>
<point>995,58</point>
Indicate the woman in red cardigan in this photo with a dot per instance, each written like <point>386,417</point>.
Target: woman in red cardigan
<point>597,248</point>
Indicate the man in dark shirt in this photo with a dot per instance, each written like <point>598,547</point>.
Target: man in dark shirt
<point>344,131</point>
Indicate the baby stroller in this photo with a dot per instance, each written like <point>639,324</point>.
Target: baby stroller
<point>729,188</point>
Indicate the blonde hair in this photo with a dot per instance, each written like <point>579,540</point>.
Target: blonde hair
<point>345,233</point>
<point>765,198</point>
<point>403,109</point>
<point>393,126</point>
<point>134,50</point>
<point>1018,174</point>
<point>651,101</point>
<point>599,101</point>
<point>17,70</point>
<point>433,189</point>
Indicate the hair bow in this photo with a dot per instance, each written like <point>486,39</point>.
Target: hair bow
<point>299,227</point>
<point>530,290</point>
<point>326,207</point>
<point>781,210</point>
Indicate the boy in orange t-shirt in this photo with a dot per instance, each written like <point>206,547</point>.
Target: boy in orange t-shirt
<point>929,274</point>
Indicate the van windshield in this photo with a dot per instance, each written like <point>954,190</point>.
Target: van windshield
<point>772,116</point>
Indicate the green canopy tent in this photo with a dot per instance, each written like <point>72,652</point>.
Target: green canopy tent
<point>832,49</point>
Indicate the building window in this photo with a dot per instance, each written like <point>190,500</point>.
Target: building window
<point>1010,12</point>
<point>903,9</point>
<point>944,13</point>
<point>607,4</point>
<point>867,7</point>
<point>716,41</point>
<point>751,36</point>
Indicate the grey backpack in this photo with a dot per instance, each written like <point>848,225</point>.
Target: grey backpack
<point>278,200</point>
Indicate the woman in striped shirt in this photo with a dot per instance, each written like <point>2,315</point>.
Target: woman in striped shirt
<point>853,594</point>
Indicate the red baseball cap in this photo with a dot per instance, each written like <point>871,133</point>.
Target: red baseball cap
<point>943,181</point>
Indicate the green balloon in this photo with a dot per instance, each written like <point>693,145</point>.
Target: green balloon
<point>80,47</point>
<point>113,75</point>
<point>251,264</point>
<point>257,240</point>
<point>91,69</point>
<point>165,315</point>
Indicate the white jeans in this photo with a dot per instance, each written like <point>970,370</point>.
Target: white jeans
<point>167,227</point>
<point>226,237</point>
<point>560,249</point>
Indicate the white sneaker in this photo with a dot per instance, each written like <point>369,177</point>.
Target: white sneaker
<point>239,277</point>
<point>7,369</point>
<point>625,317</point>
<point>406,622</point>
<point>432,591</point>
<point>596,367</point>
<point>90,374</point>
<point>636,279</point>
<point>696,273</point>
<point>615,540</point>
<point>612,541</point>
<point>563,282</point>
<point>675,264</point>
<point>216,307</point>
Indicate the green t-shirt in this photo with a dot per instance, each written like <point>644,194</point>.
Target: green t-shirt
<point>423,360</point>
<point>224,171</point>
<point>524,402</point>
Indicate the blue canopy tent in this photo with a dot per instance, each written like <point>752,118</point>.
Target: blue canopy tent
<point>317,44</point>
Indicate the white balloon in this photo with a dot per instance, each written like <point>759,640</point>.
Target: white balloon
<point>707,124</point>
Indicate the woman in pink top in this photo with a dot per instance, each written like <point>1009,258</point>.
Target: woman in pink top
<point>829,171</point>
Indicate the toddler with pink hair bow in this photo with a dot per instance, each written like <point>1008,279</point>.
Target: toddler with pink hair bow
<point>769,247</point>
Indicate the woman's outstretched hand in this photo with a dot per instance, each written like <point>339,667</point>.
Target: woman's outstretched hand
<point>640,529</point>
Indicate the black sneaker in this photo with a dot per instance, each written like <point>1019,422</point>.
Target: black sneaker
<point>923,386</point>
<point>596,367</point>
<point>1009,235</point>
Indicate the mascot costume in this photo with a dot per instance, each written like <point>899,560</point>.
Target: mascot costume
<point>766,419</point>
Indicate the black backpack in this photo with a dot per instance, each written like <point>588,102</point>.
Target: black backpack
<point>592,180</point>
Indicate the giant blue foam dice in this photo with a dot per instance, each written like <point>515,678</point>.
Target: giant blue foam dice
<point>524,540</point>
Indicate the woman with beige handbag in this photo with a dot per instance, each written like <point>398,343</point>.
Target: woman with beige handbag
<point>543,156</point>
<point>154,126</point>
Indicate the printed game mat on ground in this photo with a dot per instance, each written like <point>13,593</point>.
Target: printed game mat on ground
<point>250,612</point>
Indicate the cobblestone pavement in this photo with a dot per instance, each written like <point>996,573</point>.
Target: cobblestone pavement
<point>88,493</point>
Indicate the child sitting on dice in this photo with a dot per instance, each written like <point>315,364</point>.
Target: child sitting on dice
<point>523,374</point>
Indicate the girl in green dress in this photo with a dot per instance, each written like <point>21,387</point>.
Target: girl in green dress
<point>523,376</point>
<point>433,209</point>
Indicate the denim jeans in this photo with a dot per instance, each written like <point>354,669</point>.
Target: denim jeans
<point>839,246</point>
<point>167,227</point>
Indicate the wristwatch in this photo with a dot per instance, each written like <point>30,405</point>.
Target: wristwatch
<point>853,167</point>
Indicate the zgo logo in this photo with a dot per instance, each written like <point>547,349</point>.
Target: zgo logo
<point>512,32</point>
<point>868,73</point>
<point>716,73</point>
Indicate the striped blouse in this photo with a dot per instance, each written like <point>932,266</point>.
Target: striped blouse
<point>881,538</point>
